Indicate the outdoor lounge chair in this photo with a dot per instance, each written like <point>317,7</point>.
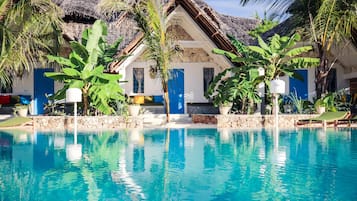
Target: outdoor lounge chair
<point>352,119</point>
<point>326,118</point>
<point>16,121</point>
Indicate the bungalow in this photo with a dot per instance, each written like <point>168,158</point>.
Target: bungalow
<point>192,23</point>
<point>343,74</point>
<point>197,28</point>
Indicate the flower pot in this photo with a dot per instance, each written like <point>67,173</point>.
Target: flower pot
<point>320,109</point>
<point>288,109</point>
<point>22,112</point>
<point>224,109</point>
<point>134,110</point>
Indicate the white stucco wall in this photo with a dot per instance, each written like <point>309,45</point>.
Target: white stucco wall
<point>193,80</point>
<point>342,82</point>
<point>24,85</point>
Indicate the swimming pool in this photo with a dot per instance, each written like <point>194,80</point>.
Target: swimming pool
<point>180,164</point>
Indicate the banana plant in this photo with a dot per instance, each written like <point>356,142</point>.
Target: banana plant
<point>278,57</point>
<point>236,84</point>
<point>85,69</point>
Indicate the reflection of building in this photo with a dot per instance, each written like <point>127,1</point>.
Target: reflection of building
<point>6,146</point>
<point>193,27</point>
<point>43,152</point>
<point>23,155</point>
<point>138,159</point>
<point>177,148</point>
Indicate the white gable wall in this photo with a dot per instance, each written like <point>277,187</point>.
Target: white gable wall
<point>193,70</point>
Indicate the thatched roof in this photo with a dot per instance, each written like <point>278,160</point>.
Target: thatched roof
<point>232,25</point>
<point>285,28</point>
<point>80,13</point>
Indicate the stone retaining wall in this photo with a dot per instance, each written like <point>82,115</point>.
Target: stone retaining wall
<point>250,121</point>
<point>254,121</point>
<point>204,118</point>
<point>86,123</point>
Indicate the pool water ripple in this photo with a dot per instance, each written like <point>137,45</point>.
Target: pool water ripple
<point>181,164</point>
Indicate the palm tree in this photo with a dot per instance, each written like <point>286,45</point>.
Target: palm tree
<point>151,18</point>
<point>29,30</point>
<point>326,23</point>
<point>333,24</point>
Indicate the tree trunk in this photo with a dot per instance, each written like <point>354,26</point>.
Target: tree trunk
<point>167,100</point>
<point>321,72</point>
<point>85,104</point>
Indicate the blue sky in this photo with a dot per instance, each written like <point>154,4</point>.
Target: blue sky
<point>233,7</point>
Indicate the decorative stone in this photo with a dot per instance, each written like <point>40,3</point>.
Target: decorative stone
<point>86,122</point>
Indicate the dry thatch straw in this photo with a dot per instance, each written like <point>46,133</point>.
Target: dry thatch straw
<point>79,14</point>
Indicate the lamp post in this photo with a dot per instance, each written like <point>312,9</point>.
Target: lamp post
<point>261,91</point>
<point>277,87</point>
<point>74,151</point>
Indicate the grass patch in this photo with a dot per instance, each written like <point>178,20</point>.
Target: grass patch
<point>14,121</point>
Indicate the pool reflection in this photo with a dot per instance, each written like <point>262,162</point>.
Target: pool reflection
<point>193,164</point>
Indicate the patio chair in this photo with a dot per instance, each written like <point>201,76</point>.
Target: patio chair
<point>326,118</point>
<point>352,119</point>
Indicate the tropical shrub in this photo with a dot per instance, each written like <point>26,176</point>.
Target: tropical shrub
<point>334,101</point>
<point>278,57</point>
<point>235,85</point>
<point>85,69</point>
<point>29,30</point>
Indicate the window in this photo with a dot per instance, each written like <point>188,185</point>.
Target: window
<point>208,74</point>
<point>138,80</point>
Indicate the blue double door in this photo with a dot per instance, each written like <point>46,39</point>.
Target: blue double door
<point>177,91</point>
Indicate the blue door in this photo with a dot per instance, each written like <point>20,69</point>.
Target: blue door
<point>42,86</point>
<point>301,87</point>
<point>176,91</point>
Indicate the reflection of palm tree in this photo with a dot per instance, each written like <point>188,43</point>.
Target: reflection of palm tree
<point>166,162</point>
<point>122,176</point>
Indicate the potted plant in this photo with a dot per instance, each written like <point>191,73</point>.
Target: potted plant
<point>133,108</point>
<point>326,103</point>
<point>21,110</point>
<point>225,107</point>
<point>320,106</point>
<point>220,93</point>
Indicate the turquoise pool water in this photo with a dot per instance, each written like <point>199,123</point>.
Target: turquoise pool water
<point>180,164</point>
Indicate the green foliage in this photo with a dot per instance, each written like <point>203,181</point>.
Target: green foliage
<point>151,18</point>
<point>85,68</point>
<point>236,84</point>
<point>29,30</point>
<point>334,101</point>
<point>297,102</point>
<point>263,27</point>
<point>278,57</point>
